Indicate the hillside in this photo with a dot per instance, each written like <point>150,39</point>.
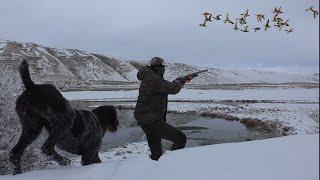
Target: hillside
<point>72,65</point>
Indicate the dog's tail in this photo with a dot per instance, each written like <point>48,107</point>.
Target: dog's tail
<point>25,75</point>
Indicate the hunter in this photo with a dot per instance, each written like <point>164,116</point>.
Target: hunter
<point>151,107</point>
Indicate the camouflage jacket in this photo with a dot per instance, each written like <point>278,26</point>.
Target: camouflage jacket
<point>153,96</point>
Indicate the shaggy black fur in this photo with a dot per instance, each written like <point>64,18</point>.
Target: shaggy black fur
<point>76,131</point>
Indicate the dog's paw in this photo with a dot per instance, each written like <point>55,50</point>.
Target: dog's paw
<point>15,165</point>
<point>63,161</point>
<point>16,171</point>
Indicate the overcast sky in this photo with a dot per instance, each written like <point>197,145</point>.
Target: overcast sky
<point>141,29</point>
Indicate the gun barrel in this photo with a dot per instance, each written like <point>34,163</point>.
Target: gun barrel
<point>196,73</point>
<point>201,71</point>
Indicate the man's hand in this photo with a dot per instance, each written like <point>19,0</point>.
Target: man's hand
<point>186,79</point>
<point>189,79</point>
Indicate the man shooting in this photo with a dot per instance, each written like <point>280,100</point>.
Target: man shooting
<point>151,107</point>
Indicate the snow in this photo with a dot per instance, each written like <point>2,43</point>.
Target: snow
<point>61,68</point>
<point>2,46</point>
<point>277,94</point>
<point>99,95</point>
<point>45,66</point>
<point>114,75</point>
<point>66,52</point>
<point>87,67</point>
<point>255,76</point>
<point>250,94</point>
<point>126,70</point>
<point>286,158</point>
<point>298,116</point>
<point>289,106</point>
<point>227,76</point>
<point>293,115</point>
<point>294,157</point>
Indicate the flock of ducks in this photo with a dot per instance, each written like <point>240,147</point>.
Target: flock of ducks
<point>278,21</point>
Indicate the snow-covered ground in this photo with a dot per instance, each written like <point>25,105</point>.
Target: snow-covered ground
<point>286,158</point>
<point>279,94</point>
<point>292,157</point>
<point>293,107</point>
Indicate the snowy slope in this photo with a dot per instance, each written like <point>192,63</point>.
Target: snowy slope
<point>127,70</point>
<point>76,65</point>
<point>86,66</point>
<point>254,76</point>
<point>224,76</point>
<point>43,65</point>
<point>285,158</point>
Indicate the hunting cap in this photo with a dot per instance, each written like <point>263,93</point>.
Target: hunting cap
<point>156,61</point>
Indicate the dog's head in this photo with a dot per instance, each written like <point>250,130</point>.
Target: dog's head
<point>108,117</point>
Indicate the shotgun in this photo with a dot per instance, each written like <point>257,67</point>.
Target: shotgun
<point>193,75</point>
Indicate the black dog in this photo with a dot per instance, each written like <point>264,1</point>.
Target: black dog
<point>76,131</point>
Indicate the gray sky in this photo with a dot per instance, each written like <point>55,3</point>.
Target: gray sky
<point>141,29</point>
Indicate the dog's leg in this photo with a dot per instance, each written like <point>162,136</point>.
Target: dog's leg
<point>29,134</point>
<point>90,151</point>
<point>90,158</point>
<point>55,134</point>
<point>96,159</point>
<point>86,159</point>
<point>48,148</point>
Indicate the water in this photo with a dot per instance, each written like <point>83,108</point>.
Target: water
<point>199,130</point>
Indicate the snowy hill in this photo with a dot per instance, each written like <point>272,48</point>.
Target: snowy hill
<point>285,158</point>
<point>127,70</point>
<point>51,64</point>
